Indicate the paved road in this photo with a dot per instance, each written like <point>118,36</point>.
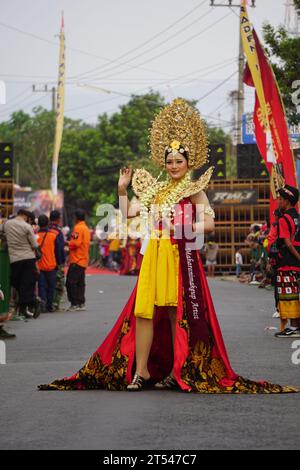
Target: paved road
<point>56,345</point>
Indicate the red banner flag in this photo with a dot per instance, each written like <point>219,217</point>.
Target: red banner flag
<point>272,137</point>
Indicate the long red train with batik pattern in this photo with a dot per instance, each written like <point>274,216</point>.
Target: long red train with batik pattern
<point>201,368</point>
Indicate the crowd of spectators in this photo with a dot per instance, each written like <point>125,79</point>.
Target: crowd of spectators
<point>260,272</point>
<point>38,250</point>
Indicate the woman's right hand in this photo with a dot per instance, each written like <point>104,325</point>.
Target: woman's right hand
<point>125,177</point>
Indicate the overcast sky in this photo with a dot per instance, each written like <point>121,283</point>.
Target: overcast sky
<point>181,48</point>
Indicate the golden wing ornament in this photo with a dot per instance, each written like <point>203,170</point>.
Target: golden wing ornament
<point>200,184</point>
<point>141,181</point>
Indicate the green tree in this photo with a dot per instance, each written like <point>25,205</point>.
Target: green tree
<point>128,129</point>
<point>218,136</point>
<point>90,156</point>
<point>90,159</point>
<point>33,137</point>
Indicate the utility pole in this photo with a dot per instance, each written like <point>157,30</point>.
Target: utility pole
<point>241,63</point>
<point>46,90</point>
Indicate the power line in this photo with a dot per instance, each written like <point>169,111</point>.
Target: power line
<point>130,95</point>
<point>178,81</point>
<point>177,45</point>
<point>218,64</point>
<point>152,47</point>
<point>27,105</point>
<point>209,116</point>
<point>140,46</point>
<point>218,86</point>
<point>123,80</point>
<point>45,90</point>
<point>73,49</point>
<point>25,76</point>
<point>224,104</point>
<point>212,69</point>
<point>10,108</point>
<point>240,92</point>
<point>94,103</point>
<point>206,116</point>
<point>199,79</point>
<point>187,40</point>
<point>34,36</point>
<point>18,96</point>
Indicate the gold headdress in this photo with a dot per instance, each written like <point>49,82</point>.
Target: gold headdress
<point>179,128</point>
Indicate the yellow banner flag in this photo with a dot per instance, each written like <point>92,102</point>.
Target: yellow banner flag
<point>60,108</point>
<point>253,62</point>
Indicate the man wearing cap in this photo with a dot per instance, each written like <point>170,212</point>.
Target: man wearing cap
<point>288,263</point>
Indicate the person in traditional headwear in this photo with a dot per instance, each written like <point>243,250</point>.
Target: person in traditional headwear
<point>288,263</point>
<point>168,336</point>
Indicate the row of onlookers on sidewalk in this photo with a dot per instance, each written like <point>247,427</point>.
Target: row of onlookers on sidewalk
<point>37,252</point>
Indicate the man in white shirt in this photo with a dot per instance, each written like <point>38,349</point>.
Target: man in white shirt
<point>211,249</point>
<point>238,262</point>
<point>22,243</point>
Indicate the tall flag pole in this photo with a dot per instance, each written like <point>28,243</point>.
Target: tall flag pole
<point>270,123</point>
<point>60,107</point>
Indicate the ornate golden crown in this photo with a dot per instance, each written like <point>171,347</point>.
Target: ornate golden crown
<point>179,128</point>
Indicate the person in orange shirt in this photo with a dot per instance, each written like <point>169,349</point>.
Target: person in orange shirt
<point>79,247</point>
<point>47,265</point>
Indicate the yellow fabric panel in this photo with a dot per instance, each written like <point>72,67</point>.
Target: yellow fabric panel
<point>289,309</point>
<point>158,278</point>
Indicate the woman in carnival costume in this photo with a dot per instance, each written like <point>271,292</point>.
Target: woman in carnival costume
<point>168,336</point>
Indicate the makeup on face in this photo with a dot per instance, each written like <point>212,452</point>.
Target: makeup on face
<point>176,165</point>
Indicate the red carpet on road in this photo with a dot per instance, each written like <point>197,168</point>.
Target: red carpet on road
<point>94,270</point>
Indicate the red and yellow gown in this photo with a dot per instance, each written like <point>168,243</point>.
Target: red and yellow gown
<point>199,359</point>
